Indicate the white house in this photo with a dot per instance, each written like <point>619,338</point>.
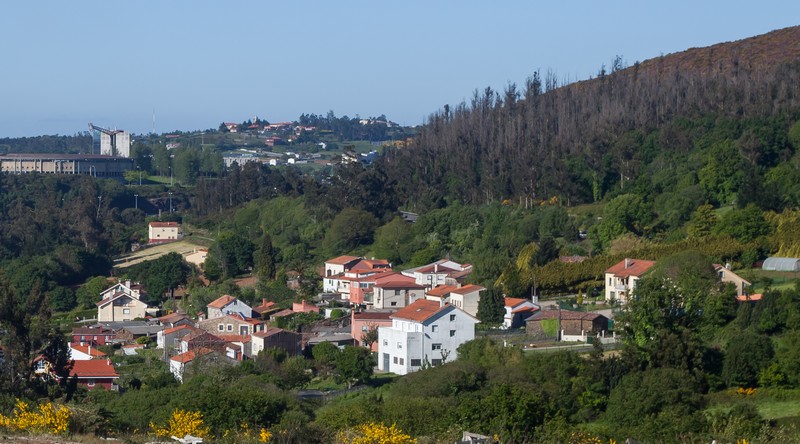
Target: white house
<point>466,298</point>
<point>517,311</point>
<point>163,231</point>
<point>621,278</point>
<point>395,290</point>
<point>424,332</point>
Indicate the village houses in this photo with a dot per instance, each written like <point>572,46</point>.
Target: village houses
<point>621,278</point>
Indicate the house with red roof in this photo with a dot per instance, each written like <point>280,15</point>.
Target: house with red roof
<point>424,332</point>
<point>353,277</point>
<point>232,324</point>
<point>364,321</point>
<point>179,363</point>
<point>84,352</point>
<point>620,279</point>
<point>265,309</point>
<point>227,304</point>
<point>304,307</point>
<point>441,272</point>
<point>464,297</point>
<point>170,338</point>
<point>95,335</point>
<point>160,232</point>
<point>95,373</point>
<point>517,311</point>
<point>394,291</point>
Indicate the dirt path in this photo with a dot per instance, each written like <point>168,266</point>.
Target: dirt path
<point>182,247</point>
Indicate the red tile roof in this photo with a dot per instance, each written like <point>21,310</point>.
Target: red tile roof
<point>630,267</point>
<point>420,310</point>
<point>441,291</point>
<point>91,351</point>
<point>172,317</point>
<point>221,301</point>
<point>373,315</point>
<point>513,302</point>
<point>749,297</point>
<point>342,260</point>
<point>95,368</point>
<point>164,224</point>
<point>235,338</point>
<point>190,355</point>
<point>468,289</point>
<point>169,331</point>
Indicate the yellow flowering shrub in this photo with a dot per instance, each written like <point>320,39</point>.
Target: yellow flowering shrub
<point>745,391</point>
<point>374,433</point>
<point>584,438</point>
<point>182,423</point>
<point>47,418</point>
<point>264,436</point>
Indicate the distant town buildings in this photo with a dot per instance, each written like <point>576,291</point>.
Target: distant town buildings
<point>53,163</point>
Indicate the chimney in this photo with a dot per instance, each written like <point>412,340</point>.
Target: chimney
<point>727,265</point>
<point>436,268</point>
<point>627,263</point>
<point>263,301</point>
<point>90,351</point>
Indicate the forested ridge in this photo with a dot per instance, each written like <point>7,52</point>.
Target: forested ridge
<point>584,140</point>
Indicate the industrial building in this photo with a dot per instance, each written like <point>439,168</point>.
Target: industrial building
<point>107,142</point>
<point>93,165</point>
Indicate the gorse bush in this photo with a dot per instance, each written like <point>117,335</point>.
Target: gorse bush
<point>48,418</point>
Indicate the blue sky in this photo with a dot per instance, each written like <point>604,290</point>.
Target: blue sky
<point>199,63</point>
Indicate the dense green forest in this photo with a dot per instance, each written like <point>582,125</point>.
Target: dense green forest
<point>689,159</point>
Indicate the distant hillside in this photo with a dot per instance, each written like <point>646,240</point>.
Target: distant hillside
<point>591,139</point>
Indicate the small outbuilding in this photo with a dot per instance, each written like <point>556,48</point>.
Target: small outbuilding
<point>781,264</point>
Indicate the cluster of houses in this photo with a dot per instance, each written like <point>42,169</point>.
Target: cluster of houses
<point>412,319</point>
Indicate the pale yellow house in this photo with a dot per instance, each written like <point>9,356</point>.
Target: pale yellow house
<point>121,303</point>
<point>163,232</point>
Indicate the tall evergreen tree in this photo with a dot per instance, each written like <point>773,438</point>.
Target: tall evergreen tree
<point>265,259</point>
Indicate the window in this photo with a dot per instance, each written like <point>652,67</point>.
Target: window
<point>221,327</point>
<point>394,360</point>
<point>394,304</point>
<point>416,362</point>
<point>452,318</point>
<point>436,362</point>
<point>399,345</point>
<point>364,328</point>
<point>126,311</point>
<point>385,342</point>
<point>452,333</point>
<point>402,361</point>
<point>230,327</point>
<point>90,383</point>
<point>434,328</point>
<point>436,346</point>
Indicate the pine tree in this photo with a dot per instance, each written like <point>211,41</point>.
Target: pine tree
<point>265,260</point>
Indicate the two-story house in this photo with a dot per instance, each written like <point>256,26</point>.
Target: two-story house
<point>288,341</point>
<point>158,232</point>
<point>232,324</point>
<point>425,332</point>
<point>621,278</point>
<point>95,335</point>
<point>361,323</point>
<point>517,311</point>
<point>225,305</point>
<point>728,276</point>
<point>121,306</point>
<point>441,272</point>
<point>395,290</point>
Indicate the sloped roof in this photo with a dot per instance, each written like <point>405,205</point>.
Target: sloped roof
<point>164,224</point>
<point>441,291</point>
<point>630,267</point>
<point>222,301</point>
<point>272,331</point>
<point>342,260</point>
<point>513,302</point>
<point>420,310</point>
<point>371,315</point>
<point>749,297</point>
<point>85,349</point>
<point>95,368</point>
<point>468,289</point>
<point>172,317</point>
<point>191,355</point>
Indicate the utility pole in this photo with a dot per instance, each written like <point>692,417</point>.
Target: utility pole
<point>140,175</point>
<point>99,204</point>
<point>136,197</point>
<point>170,201</point>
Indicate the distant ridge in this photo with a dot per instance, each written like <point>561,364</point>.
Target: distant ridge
<point>581,140</point>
